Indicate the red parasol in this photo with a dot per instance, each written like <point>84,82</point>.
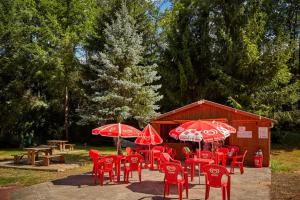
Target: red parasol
<point>196,131</point>
<point>149,136</point>
<point>224,126</point>
<point>117,130</point>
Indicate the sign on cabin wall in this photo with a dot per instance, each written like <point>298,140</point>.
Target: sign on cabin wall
<point>263,132</point>
<point>242,133</point>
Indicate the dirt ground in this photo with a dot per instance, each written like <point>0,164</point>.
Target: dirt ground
<point>285,186</point>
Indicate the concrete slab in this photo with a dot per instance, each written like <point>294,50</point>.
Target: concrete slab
<point>253,184</point>
<point>59,167</point>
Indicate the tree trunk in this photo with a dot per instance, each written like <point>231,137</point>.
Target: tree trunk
<point>66,113</point>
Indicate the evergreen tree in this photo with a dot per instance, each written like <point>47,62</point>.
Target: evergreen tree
<point>123,87</point>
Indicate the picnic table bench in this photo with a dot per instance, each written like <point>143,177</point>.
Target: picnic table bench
<point>18,157</point>
<point>70,146</point>
<point>47,159</point>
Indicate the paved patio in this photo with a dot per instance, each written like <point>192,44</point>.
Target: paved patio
<point>253,184</point>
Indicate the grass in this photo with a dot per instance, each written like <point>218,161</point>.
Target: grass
<point>30,177</point>
<point>285,166</point>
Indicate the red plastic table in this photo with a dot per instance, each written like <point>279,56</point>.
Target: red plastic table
<point>120,158</point>
<point>152,157</point>
<point>197,161</point>
<point>145,152</point>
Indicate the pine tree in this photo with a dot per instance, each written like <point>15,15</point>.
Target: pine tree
<point>123,88</point>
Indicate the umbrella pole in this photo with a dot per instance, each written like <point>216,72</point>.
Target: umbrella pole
<point>199,157</point>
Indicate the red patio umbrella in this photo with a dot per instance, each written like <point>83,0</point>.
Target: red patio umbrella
<point>199,130</point>
<point>117,130</point>
<point>149,137</point>
<point>196,131</point>
<point>224,127</point>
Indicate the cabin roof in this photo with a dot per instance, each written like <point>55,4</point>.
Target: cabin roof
<point>203,101</point>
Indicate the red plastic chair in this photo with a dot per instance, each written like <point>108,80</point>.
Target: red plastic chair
<point>223,160</point>
<point>166,158</point>
<point>187,152</point>
<point>106,165</point>
<point>95,156</point>
<point>213,178</point>
<point>133,163</point>
<point>205,154</point>
<point>233,150</point>
<point>156,155</point>
<point>175,175</point>
<point>238,161</point>
<point>129,151</point>
<point>171,151</point>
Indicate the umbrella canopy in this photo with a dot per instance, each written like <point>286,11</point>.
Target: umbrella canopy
<point>149,136</point>
<point>224,127</point>
<point>196,131</point>
<point>117,130</point>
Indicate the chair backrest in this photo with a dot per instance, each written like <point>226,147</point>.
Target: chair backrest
<point>135,161</point>
<point>214,174</point>
<point>223,150</point>
<point>108,162</point>
<point>129,151</point>
<point>165,157</point>
<point>205,154</point>
<point>93,153</point>
<point>244,155</point>
<point>172,170</point>
<point>159,148</point>
<point>233,150</point>
<point>186,151</point>
<point>171,151</point>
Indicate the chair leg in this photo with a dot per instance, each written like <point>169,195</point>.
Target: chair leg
<point>140,175</point>
<point>110,176</point>
<point>228,193</point>
<point>165,190</point>
<point>192,171</point>
<point>168,189</point>
<point>180,191</point>
<point>207,189</point>
<point>187,190</point>
<point>241,168</point>
<point>223,193</point>
<point>232,169</point>
<point>100,175</point>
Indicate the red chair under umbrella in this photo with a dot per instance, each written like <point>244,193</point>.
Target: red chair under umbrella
<point>149,137</point>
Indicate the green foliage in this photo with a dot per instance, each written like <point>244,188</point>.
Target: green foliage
<point>230,52</point>
<point>123,88</point>
<point>38,40</point>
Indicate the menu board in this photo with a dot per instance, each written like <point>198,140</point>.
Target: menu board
<point>263,132</point>
<point>242,133</point>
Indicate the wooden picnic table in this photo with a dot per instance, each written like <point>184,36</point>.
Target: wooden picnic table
<point>33,152</point>
<point>59,143</point>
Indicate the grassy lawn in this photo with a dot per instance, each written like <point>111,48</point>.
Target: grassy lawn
<point>285,165</point>
<point>29,177</point>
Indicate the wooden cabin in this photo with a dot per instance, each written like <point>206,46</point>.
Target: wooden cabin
<point>253,131</point>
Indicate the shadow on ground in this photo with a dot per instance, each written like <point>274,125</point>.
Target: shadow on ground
<point>153,188</point>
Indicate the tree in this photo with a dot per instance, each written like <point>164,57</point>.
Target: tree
<point>123,88</point>
<point>227,51</point>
